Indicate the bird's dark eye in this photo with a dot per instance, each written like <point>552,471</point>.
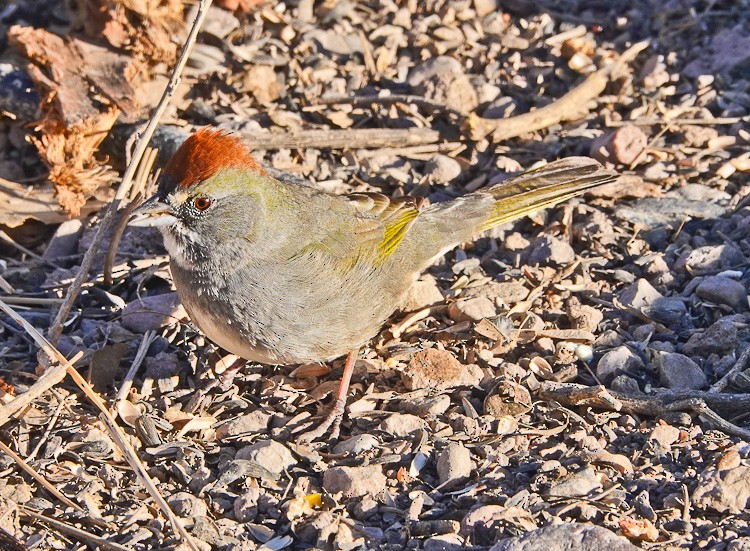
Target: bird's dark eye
<point>202,202</point>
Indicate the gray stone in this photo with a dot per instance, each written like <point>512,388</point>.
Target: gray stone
<point>506,292</point>
<point>65,240</point>
<point>566,537</point>
<point>204,529</point>
<point>426,407</point>
<point>643,332</point>
<point>335,42</point>
<point>424,292</point>
<point>664,435</point>
<point>442,169</point>
<point>433,67</point>
<point>640,294</point>
<point>272,455</point>
<point>442,79</point>
<point>625,383</point>
<point>444,542</point>
<point>721,338</point>
<point>402,424</point>
<point>653,212</point>
<point>249,423</point>
<point>246,506</point>
<point>483,515</point>
<point>356,444</point>
<point>185,504</point>
<point>723,290</point>
<point>471,309</point>
<point>678,372</point>
<point>668,310</point>
<point>576,484</point>
<point>711,257</point>
<point>454,463</point>
<point>354,481</point>
<point>620,361</point>
<point>584,316</point>
<point>152,313</point>
<point>552,250</point>
<point>219,22</point>
<point>725,491</point>
<point>701,192</point>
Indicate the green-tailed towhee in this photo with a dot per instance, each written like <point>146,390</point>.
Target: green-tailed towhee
<point>283,274</point>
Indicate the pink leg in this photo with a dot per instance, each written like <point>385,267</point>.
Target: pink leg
<point>333,419</point>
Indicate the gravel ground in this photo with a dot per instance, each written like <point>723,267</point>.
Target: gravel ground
<point>577,377</point>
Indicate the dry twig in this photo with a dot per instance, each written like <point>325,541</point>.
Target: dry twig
<point>39,478</point>
<point>56,328</point>
<point>79,534</point>
<point>571,106</point>
<point>657,404</point>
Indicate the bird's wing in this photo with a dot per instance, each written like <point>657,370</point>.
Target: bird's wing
<point>369,228</point>
<point>395,217</point>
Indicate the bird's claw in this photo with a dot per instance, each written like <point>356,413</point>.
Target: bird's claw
<point>332,421</point>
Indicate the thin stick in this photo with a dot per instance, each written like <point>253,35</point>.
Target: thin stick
<point>144,169</point>
<point>51,377</point>
<point>700,402</point>
<point>5,286</point>
<point>350,138</point>
<point>387,100</point>
<point>32,301</point>
<point>109,257</point>
<point>571,106</point>
<point>707,122</point>
<point>82,535</point>
<point>738,366</point>
<point>10,241</point>
<point>127,383</point>
<point>39,478</point>
<point>56,328</point>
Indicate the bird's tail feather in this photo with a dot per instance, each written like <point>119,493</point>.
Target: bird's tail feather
<point>544,187</point>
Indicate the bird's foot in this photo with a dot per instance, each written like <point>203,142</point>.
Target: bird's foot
<point>333,419</point>
<point>330,426</point>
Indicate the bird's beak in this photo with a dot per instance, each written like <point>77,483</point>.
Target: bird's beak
<point>154,212</point>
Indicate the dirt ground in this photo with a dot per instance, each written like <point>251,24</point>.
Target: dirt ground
<point>579,377</point>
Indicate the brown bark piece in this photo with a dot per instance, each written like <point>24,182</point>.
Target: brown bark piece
<point>76,119</point>
<point>68,68</point>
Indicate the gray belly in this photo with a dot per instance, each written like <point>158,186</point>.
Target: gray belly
<point>260,320</point>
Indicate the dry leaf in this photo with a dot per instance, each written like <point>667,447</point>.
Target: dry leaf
<point>640,529</point>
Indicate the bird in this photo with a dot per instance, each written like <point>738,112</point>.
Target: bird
<point>285,274</point>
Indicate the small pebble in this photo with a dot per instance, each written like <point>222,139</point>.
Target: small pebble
<point>454,463</point>
<point>723,290</point>
<point>471,309</point>
<point>576,484</point>
<point>402,424</point>
<point>678,372</point>
<point>356,444</point>
<point>621,360</point>
<point>270,454</point>
<point>153,312</point>
<point>354,481</point>
<point>249,423</point>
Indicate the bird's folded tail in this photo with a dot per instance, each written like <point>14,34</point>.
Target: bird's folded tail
<point>544,187</point>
